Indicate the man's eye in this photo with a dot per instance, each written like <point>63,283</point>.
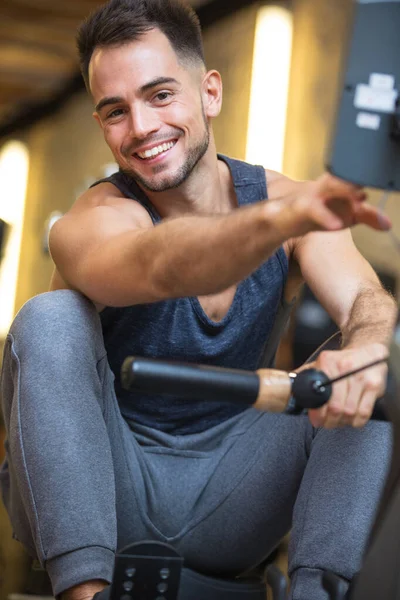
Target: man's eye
<point>115,113</point>
<point>163,96</point>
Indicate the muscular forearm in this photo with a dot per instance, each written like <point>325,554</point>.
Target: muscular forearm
<point>185,256</point>
<point>372,318</point>
<point>205,255</point>
<point>119,262</point>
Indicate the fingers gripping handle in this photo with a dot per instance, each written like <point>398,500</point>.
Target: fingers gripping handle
<point>312,389</point>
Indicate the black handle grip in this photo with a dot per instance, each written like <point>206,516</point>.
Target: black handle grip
<point>190,381</point>
<point>310,390</point>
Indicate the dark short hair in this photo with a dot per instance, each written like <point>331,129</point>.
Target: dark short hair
<point>122,21</point>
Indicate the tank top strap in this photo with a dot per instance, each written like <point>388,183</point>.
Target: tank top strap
<point>129,188</point>
<point>249,180</point>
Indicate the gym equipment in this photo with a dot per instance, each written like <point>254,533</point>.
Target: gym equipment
<point>292,393</point>
<point>366,138</point>
<point>154,570</point>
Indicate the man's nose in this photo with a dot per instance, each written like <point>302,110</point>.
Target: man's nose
<point>143,122</point>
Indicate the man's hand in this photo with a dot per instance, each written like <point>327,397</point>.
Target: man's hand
<point>353,398</point>
<point>327,204</point>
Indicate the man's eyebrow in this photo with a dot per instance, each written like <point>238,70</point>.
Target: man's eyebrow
<point>106,101</point>
<point>156,82</point>
<point>145,88</point>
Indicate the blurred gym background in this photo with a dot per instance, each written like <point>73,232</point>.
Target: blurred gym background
<point>281,64</point>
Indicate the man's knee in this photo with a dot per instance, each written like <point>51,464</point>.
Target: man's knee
<point>54,320</point>
<point>368,446</point>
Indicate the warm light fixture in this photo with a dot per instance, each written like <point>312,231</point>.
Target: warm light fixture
<point>14,165</point>
<point>270,86</point>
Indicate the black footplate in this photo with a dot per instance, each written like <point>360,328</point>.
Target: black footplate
<point>146,571</point>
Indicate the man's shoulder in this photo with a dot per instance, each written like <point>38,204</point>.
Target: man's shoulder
<point>121,181</point>
<point>107,202</point>
<point>274,179</point>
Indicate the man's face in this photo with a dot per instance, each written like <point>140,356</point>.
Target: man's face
<point>150,107</point>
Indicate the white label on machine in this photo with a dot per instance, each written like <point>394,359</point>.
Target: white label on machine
<point>368,121</point>
<point>369,98</point>
<point>380,81</point>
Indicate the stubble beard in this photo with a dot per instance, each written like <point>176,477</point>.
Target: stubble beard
<point>175,180</point>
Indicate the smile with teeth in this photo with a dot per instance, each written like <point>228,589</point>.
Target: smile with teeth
<point>156,151</point>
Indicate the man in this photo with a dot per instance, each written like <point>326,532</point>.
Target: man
<point>184,258</point>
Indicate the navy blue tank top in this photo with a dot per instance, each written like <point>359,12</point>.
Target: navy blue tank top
<point>181,330</point>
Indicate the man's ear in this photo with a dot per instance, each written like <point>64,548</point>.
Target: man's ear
<point>212,94</point>
<point>97,118</point>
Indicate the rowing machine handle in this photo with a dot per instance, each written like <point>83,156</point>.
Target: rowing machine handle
<point>266,389</point>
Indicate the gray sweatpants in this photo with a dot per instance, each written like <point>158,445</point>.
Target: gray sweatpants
<point>78,482</point>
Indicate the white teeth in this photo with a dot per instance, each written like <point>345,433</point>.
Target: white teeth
<point>156,151</point>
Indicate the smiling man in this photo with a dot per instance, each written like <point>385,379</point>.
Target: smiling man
<point>189,255</point>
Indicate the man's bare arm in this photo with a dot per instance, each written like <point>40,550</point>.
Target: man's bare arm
<point>115,262</point>
<point>372,317</point>
<point>118,259</point>
<point>347,287</point>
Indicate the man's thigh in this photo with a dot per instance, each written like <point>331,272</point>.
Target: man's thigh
<point>246,507</point>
